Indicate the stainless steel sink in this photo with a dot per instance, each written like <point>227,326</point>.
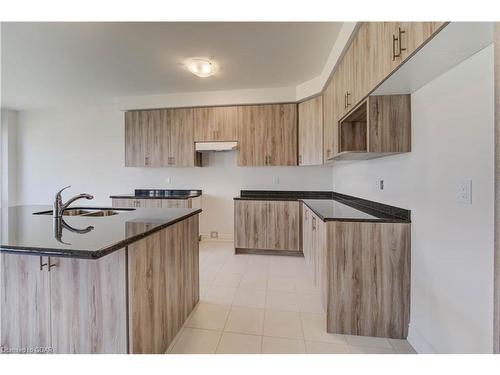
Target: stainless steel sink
<point>69,212</point>
<point>93,212</point>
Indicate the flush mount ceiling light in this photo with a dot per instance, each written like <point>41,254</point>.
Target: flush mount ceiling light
<point>201,67</point>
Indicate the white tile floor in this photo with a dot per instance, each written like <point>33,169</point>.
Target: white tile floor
<point>263,304</point>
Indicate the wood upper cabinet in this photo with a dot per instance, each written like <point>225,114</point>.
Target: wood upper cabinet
<point>146,139</point>
<point>24,303</point>
<point>160,138</point>
<point>181,134</point>
<point>267,225</point>
<point>329,119</point>
<point>311,131</point>
<point>216,124</point>
<point>267,134</point>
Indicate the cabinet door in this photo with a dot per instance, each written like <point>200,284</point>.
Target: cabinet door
<point>125,203</point>
<point>283,226</point>
<point>136,123</point>
<point>216,124</point>
<point>311,131</point>
<point>146,142</point>
<point>180,127</point>
<point>205,126</point>
<point>174,203</point>
<point>251,225</point>
<point>282,134</point>
<point>306,235</point>
<point>88,304</point>
<point>226,119</point>
<point>329,118</point>
<point>359,76</point>
<point>252,121</point>
<point>25,304</point>
<point>379,49</point>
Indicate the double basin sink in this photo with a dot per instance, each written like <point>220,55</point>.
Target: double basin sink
<point>92,212</point>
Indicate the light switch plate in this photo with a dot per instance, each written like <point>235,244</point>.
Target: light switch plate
<point>464,192</point>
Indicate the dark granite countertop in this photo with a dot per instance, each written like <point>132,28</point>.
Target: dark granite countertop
<point>159,194</point>
<point>333,206</point>
<point>282,195</point>
<point>25,233</point>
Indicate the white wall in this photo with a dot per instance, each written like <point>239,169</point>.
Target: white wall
<point>84,147</point>
<point>8,158</point>
<point>452,243</point>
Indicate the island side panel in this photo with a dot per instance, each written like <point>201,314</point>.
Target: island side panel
<point>89,306</point>
<point>163,279</point>
<point>24,304</point>
<point>368,271</point>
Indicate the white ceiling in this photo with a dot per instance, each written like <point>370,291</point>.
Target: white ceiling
<point>48,64</point>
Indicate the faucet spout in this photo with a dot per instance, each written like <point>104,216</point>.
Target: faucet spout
<point>59,206</point>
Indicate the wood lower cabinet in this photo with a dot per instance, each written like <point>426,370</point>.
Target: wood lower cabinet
<point>89,304</point>
<point>216,124</point>
<point>368,271</point>
<point>134,300</point>
<point>311,131</point>
<point>314,247</point>
<point>267,135</point>
<point>362,271</point>
<point>156,203</point>
<point>267,226</point>
<point>163,277</point>
<point>24,286</point>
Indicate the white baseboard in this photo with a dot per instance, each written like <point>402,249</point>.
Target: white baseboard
<point>221,238</point>
<point>419,343</point>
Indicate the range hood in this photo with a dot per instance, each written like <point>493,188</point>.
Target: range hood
<point>215,146</point>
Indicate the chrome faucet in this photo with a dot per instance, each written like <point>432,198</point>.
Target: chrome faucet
<point>59,206</point>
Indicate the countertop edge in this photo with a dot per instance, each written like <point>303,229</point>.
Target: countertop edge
<point>378,220</point>
<point>96,254</point>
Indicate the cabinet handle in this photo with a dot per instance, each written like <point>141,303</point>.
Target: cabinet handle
<point>51,265</point>
<point>314,223</point>
<point>395,40</point>
<point>400,40</point>
<point>347,98</point>
<point>42,264</point>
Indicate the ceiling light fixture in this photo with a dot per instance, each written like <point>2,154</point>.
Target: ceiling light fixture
<point>201,67</point>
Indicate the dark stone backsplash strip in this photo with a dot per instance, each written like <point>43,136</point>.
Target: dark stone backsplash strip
<point>284,194</point>
<point>373,208</point>
<point>164,192</point>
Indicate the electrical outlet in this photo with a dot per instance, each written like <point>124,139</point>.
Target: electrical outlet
<point>214,234</point>
<point>169,180</point>
<point>464,192</point>
<point>276,180</point>
<point>380,185</point>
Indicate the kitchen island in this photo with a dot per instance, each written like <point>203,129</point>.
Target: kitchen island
<point>96,280</point>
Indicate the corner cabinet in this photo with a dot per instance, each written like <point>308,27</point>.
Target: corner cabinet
<point>160,138</point>
<point>267,135</point>
<point>272,227</point>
